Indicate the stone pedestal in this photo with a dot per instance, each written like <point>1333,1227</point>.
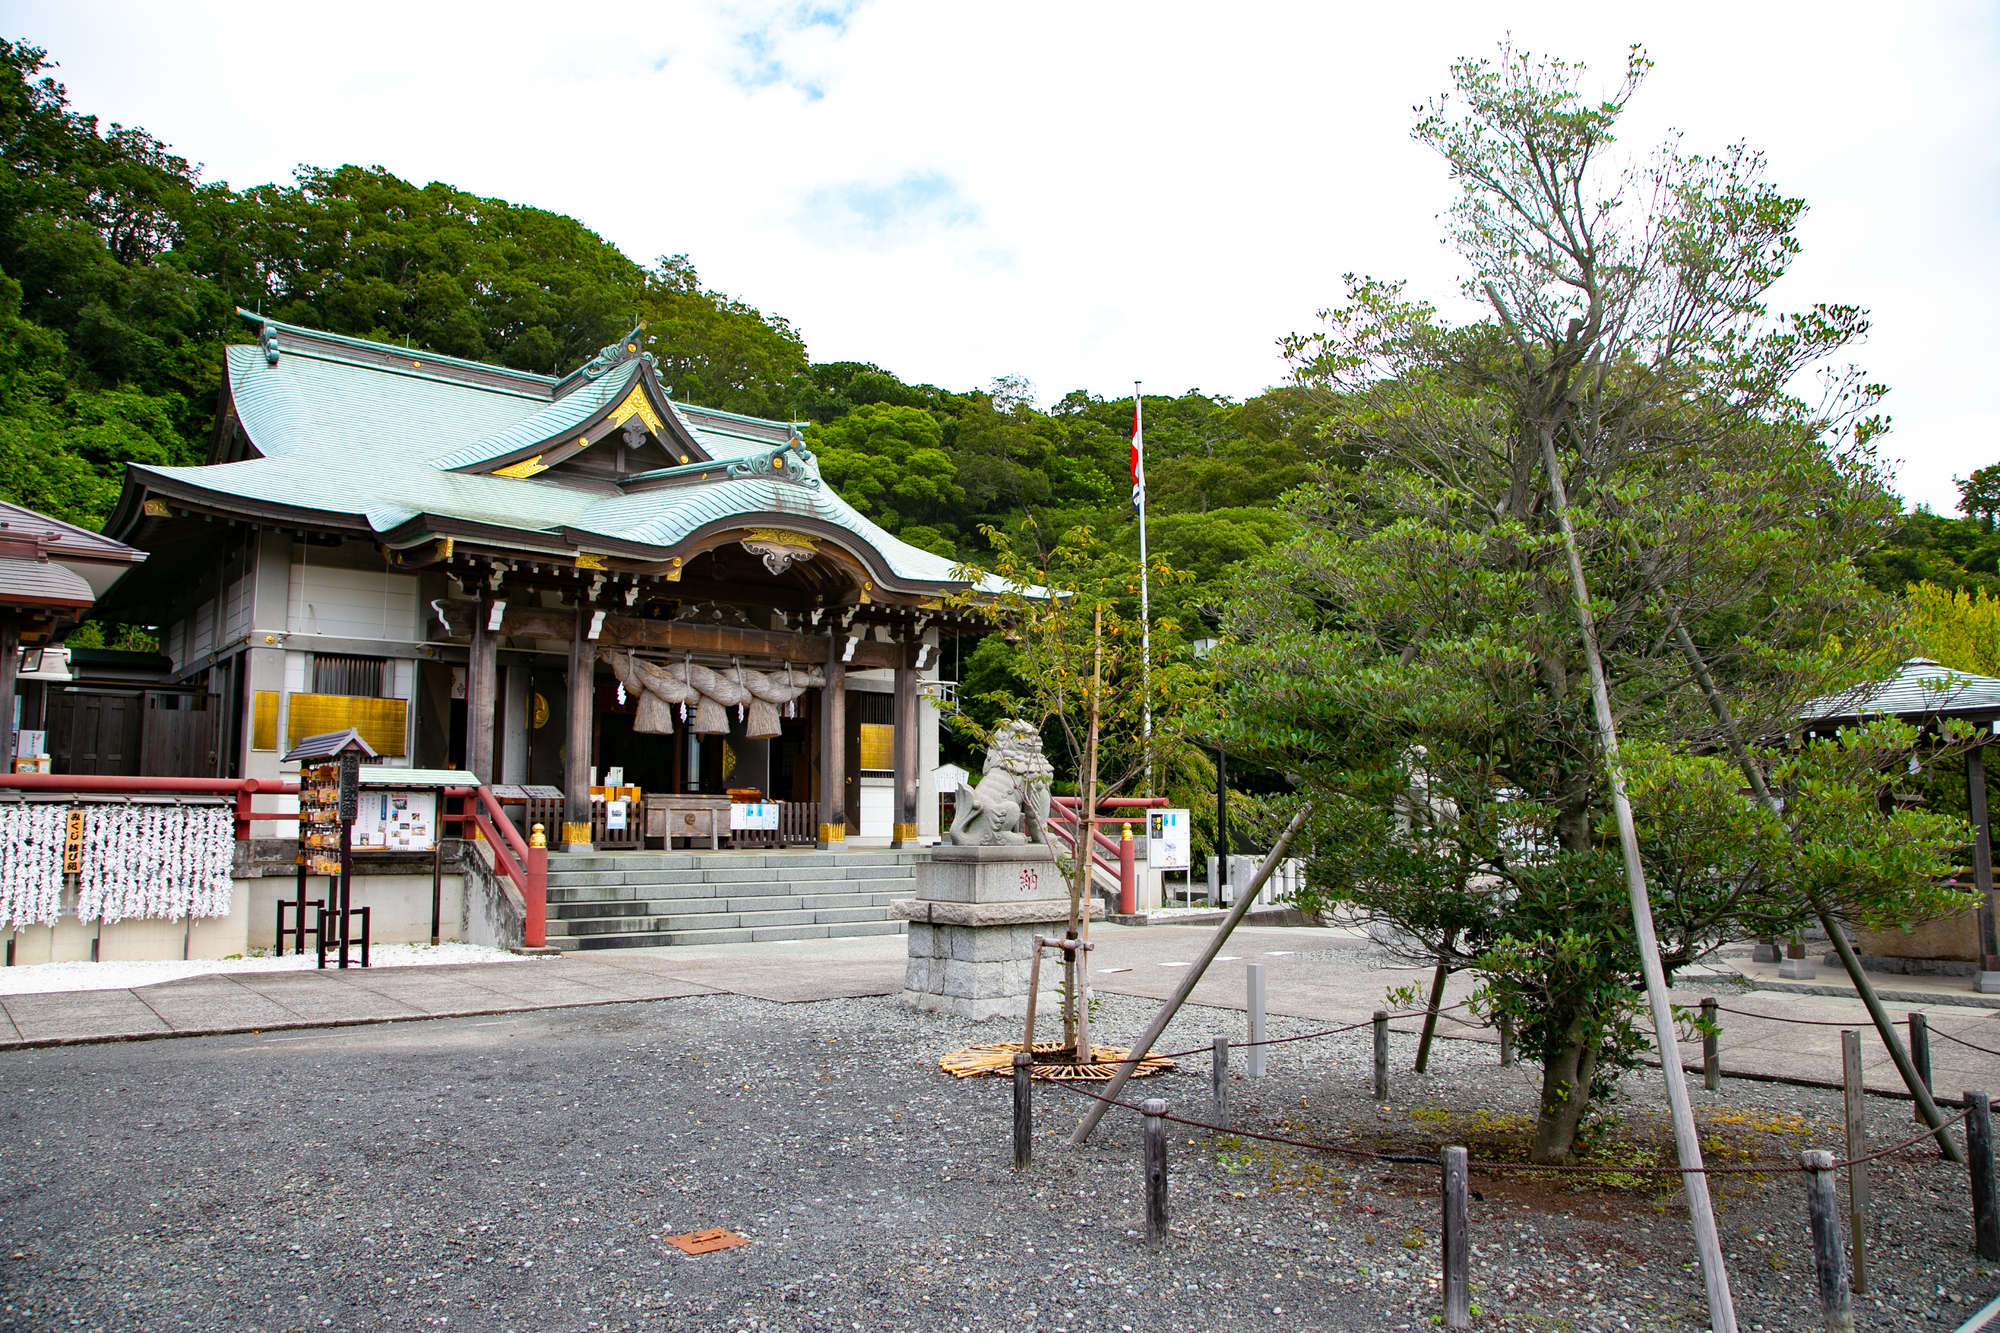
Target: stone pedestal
<point>972,928</point>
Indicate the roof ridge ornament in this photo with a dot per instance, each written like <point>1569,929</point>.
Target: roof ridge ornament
<point>790,461</point>
<point>267,342</point>
<point>617,354</point>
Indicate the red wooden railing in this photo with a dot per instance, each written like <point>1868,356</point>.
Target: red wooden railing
<point>1105,851</point>
<point>527,866</point>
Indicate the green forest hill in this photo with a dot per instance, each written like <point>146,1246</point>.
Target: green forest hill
<point>120,270</point>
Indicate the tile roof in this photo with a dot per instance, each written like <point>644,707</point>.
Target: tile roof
<point>1919,688</point>
<point>41,583</point>
<point>372,433</point>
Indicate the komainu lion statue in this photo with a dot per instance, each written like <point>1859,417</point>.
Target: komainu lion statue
<point>1010,806</point>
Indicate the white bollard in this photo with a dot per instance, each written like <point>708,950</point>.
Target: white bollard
<point>1254,1056</point>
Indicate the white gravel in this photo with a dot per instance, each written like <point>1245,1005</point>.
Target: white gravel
<point>45,977</point>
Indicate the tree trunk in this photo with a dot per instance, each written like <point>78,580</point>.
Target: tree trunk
<point>1566,1081</point>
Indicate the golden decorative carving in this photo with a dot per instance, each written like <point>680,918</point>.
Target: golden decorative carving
<point>445,547</point>
<point>527,467</point>
<point>781,537</point>
<point>674,574</point>
<point>158,509</point>
<point>635,405</point>
<point>831,833</point>
<point>906,833</point>
<point>931,604</point>
<point>588,561</point>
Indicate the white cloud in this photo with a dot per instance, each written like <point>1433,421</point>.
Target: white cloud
<point>1088,194</point>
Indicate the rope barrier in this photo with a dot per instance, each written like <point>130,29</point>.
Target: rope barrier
<point>1741,1169</point>
<point>1309,1036</point>
<point>1940,1032</point>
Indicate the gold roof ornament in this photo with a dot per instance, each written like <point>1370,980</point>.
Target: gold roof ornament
<point>780,548</point>
<point>635,405</point>
<point>158,509</point>
<point>527,467</point>
<point>585,560</point>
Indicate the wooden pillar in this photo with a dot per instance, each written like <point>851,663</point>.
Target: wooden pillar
<point>482,682</point>
<point>1982,857</point>
<point>904,832</point>
<point>582,708</point>
<point>10,660</point>
<point>833,747</point>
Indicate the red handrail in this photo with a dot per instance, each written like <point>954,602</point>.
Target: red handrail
<point>526,865</point>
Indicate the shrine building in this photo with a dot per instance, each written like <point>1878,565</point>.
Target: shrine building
<point>485,569</point>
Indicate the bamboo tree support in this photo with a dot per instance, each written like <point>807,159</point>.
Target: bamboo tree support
<point>1076,999</point>
<point>1024,1110</point>
<point>1191,980</point>
<point>1687,1141</point>
<point>1457,1240</point>
<point>1431,1017</point>
<point>1919,1085</point>
<point>1920,1055</point>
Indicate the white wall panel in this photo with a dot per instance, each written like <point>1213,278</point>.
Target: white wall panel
<point>351,603</point>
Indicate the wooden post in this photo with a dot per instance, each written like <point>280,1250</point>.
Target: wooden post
<point>904,832</point>
<point>1920,1055</point>
<point>482,679</point>
<point>1457,1240</point>
<point>1034,993</point>
<point>1982,858</point>
<point>1431,1017</point>
<point>576,742</point>
<point>833,747</point>
<point>1154,1110</point>
<point>1218,1080</point>
<point>1024,1110</point>
<point>10,664</point>
<point>1829,1263</point>
<point>1711,1054</point>
<point>1506,1042</point>
<point>1979,1157</point>
<point>1253,1065</point>
<point>1381,1055</point>
<point>1857,1146</point>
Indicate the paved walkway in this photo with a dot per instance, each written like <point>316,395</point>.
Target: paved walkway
<point>1758,1041</point>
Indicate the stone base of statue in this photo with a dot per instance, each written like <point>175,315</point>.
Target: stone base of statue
<point>972,928</point>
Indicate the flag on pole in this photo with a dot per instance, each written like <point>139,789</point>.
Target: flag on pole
<point>1138,459</point>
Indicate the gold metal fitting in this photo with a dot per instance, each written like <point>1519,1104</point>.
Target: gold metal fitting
<point>538,838</point>
<point>573,833</point>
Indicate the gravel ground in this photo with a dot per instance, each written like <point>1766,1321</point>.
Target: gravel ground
<point>519,1174</point>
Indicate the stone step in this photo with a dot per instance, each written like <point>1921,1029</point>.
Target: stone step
<point>578,879</point>
<point>681,921</point>
<point>626,909</point>
<point>748,858</point>
<point>739,934</point>
<point>613,893</point>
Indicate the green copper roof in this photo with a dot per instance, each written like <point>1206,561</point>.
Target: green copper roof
<point>373,433</point>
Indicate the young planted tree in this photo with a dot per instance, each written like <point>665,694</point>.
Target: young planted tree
<point>1416,654</point>
<point>1075,669</point>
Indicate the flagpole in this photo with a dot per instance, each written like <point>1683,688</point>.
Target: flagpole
<point>1145,600</point>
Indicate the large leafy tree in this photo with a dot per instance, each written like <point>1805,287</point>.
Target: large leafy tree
<point>1414,656</point>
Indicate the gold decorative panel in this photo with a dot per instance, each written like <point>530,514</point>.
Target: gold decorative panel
<point>380,721</point>
<point>878,746</point>
<point>635,405</point>
<point>264,721</point>
<point>527,467</point>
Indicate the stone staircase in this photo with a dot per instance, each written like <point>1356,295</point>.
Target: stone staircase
<point>628,900</point>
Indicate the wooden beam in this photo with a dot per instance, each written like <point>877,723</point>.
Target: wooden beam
<point>537,622</point>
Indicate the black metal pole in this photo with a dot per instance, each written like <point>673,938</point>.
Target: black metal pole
<point>1221,823</point>
<point>1024,1110</point>
<point>346,880</point>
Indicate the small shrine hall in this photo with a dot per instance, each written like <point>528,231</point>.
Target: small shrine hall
<point>556,584</point>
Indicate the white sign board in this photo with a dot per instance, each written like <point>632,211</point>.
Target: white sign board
<point>763,816</point>
<point>1169,840</point>
<point>614,816</point>
<point>396,821</point>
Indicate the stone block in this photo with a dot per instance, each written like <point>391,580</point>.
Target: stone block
<point>922,942</point>
<point>990,875</point>
<point>919,975</point>
<point>974,981</point>
<point>993,945</point>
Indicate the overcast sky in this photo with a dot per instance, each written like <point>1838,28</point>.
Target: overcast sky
<point>1088,194</point>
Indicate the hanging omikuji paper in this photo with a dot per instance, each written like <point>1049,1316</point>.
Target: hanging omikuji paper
<point>31,864</point>
<point>155,862</point>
